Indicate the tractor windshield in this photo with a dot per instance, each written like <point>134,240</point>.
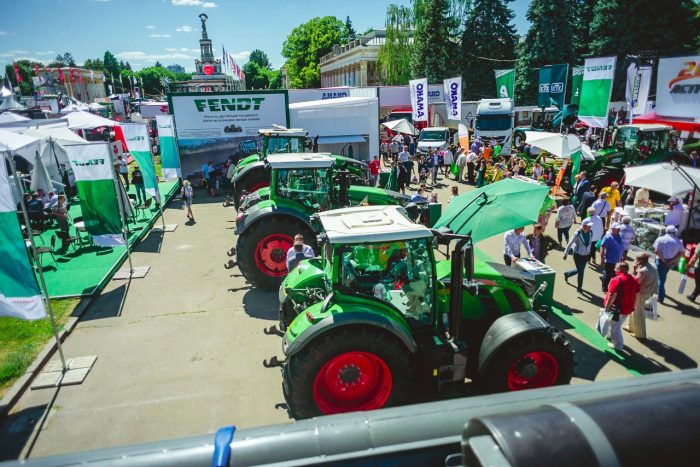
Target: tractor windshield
<point>647,142</point>
<point>310,187</point>
<point>280,144</point>
<point>399,273</point>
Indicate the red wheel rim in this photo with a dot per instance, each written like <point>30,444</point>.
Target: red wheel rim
<point>257,186</point>
<point>352,381</point>
<point>271,254</point>
<point>532,370</point>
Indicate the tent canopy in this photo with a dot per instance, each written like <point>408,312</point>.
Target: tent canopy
<point>678,125</point>
<point>21,145</point>
<point>53,154</point>
<point>80,120</point>
<point>11,117</point>
<point>557,144</point>
<point>667,178</point>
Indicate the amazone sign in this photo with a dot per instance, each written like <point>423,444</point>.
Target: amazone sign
<point>233,104</point>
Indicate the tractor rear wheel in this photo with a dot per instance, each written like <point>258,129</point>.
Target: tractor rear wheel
<point>262,250</point>
<point>534,360</point>
<point>253,181</point>
<point>518,138</point>
<point>354,369</point>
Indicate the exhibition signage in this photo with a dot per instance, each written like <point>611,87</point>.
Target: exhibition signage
<point>552,85</point>
<point>505,83</point>
<point>678,87</point>
<point>598,74</point>
<point>19,292</point>
<point>169,157</point>
<point>139,146</point>
<point>637,89</point>
<point>576,81</point>
<point>419,99</point>
<point>98,198</point>
<point>453,97</point>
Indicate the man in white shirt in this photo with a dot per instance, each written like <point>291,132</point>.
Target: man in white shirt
<point>299,251</point>
<point>601,206</point>
<point>123,170</point>
<point>512,241</point>
<point>675,214</point>
<point>447,159</point>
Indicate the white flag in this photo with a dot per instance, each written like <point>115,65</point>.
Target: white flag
<point>453,97</point>
<point>644,78</point>
<point>419,99</point>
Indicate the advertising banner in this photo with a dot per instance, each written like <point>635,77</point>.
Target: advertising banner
<point>598,74</point>
<point>505,83</point>
<point>576,81</point>
<point>19,292</point>
<point>153,109</point>
<point>139,146</point>
<point>453,97</point>
<point>678,87</point>
<point>552,85</point>
<point>418,89</point>
<point>637,88</point>
<point>98,197</point>
<point>169,157</point>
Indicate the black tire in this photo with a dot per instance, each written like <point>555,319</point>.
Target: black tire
<point>300,372</point>
<point>248,242</point>
<point>252,181</point>
<point>605,176</point>
<point>551,341</point>
<point>518,137</point>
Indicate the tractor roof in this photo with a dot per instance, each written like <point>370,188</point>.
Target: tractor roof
<point>300,160</point>
<point>290,132</point>
<point>647,127</point>
<point>370,224</point>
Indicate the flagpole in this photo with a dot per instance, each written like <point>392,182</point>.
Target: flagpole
<point>37,262</point>
<point>160,202</point>
<point>123,216</point>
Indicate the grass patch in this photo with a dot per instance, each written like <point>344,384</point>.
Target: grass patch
<point>23,340</point>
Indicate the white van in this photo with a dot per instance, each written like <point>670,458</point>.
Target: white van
<point>432,138</point>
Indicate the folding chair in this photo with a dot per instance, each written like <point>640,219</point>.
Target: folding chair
<point>41,251</point>
<point>67,239</point>
<point>146,206</point>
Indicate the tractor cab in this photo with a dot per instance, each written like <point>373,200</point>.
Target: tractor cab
<point>641,142</point>
<point>304,178</point>
<point>278,140</point>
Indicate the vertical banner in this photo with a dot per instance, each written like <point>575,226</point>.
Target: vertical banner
<point>552,85</point>
<point>169,157</point>
<point>543,87</point>
<point>596,89</point>
<point>94,177</point>
<point>640,106</point>
<point>505,83</point>
<point>453,97</point>
<point>19,292</point>
<point>419,99</point>
<point>139,146</point>
<point>576,81</point>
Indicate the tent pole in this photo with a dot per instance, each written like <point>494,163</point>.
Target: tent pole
<point>160,201</point>
<point>37,262</point>
<point>122,212</point>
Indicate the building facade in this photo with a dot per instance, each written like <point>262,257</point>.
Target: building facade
<point>353,64</point>
<point>175,68</point>
<point>80,83</point>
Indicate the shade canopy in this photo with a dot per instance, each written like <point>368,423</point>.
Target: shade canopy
<point>39,176</point>
<point>559,145</point>
<point>6,117</point>
<point>80,120</point>
<point>53,154</point>
<point>494,209</point>
<point>401,126</point>
<point>667,178</point>
<point>16,142</point>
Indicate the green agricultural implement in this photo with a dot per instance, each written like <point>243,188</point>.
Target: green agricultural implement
<point>377,321</point>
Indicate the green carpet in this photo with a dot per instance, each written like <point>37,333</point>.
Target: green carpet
<point>85,270</point>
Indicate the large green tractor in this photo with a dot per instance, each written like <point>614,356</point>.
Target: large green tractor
<point>301,186</point>
<point>376,320</point>
<point>253,173</point>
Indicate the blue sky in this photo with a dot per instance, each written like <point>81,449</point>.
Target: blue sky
<point>143,31</point>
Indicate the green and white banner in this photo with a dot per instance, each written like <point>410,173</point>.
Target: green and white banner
<point>505,83</point>
<point>169,157</point>
<point>598,75</point>
<point>576,81</point>
<point>94,178</point>
<point>139,145</point>
<point>19,292</point>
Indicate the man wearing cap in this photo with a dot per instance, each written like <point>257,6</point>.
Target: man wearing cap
<point>512,241</point>
<point>668,248</point>
<point>613,198</point>
<point>602,207</point>
<point>298,252</point>
<point>580,246</point>
<point>675,214</point>
<point>611,249</point>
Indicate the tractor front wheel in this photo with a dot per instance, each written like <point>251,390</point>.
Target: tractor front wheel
<point>534,360</point>
<point>355,369</point>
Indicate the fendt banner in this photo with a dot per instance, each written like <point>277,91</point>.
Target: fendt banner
<point>598,74</point>
<point>453,97</point>
<point>214,125</point>
<point>139,145</point>
<point>505,83</point>
<point>419,99</point>
<point>678,87</point>
<point>169,157</point>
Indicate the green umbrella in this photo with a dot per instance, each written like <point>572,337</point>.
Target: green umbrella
<point>495,208</point>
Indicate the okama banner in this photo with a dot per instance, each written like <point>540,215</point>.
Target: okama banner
<point>505,83</point>
<point>19,292</point>
<point>419,99</point>
<point>552,85</point>
<point>169,157</point>
<point>91,164</point>
<point>598,74</point>
<point>576,81</point>
<point>453,97</point>
<point>139,145</point>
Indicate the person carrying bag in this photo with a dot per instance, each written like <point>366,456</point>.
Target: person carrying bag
<point>620,301</point>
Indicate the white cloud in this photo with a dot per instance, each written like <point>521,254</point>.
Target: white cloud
<point>185,28</point>
<point>45,52</point>
<point>12,53</point>
<point>209,5</point>
<point>150,26</point>
<point>199,3</point>
<point>170,49</point>
<point>185,49</point>
<point>160,35</point>
<point>242,56</point>
<point>3,33</point>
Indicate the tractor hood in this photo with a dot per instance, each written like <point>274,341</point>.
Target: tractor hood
<point>490,273</point>
<point>254,198</point>
<point>252,165</point>
<point>308,274</point>
<point>247,160</point>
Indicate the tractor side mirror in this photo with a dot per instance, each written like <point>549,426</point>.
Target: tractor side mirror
<point>468,261</point>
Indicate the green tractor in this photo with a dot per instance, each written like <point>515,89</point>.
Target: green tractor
<point>376,320</point>
<point>301,186</point>
<point>541,121</point>
<point>253,173</point>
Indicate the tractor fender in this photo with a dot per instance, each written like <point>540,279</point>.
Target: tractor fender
<point>351,318</point>
<point>248,169</point>
<point>255,215</point>
<point>505,329</point>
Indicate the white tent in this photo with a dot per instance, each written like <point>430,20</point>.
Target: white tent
<point>557,144</point>
<point>80,120</point>
<point>53,154</point>
<point>6,117</point>
<point>95,106</point>
<point>25,146</point>
<point>40,177</point>
<point>10,103</point>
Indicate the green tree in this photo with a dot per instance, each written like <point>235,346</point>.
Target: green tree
<point>488,43</point>
<point>581,19</point>
<point>111,64</point>
<point>94,64</point>
<point>255,76</point>
<point>158,64</point>
<point>152,79</point>
<point>305,46</point>
<point>394,59</point>
<point>633,27</point>
<point>261,58</point>
<point>433,48</point>
<point>26,72</point>
<point>349,30</point>
<point>275,78</point>
<point>548,42</point>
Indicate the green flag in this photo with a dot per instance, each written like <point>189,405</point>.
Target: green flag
<point>139,146</point>
<point>575,166</point>
<point>552,85</point>
<point>505,83</point>
<point>91,164</point>
<point>169,157</point>
<point>598,74</point>
<point>576,81</point>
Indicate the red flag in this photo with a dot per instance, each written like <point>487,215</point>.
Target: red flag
<point>80,76</point>
<point>61,79</point>
<point>17,75</point>
<point>72,75</point>
<point>36,70</point>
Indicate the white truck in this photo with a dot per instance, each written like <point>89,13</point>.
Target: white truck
<point>494,122</point>
<point>432,138</point>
